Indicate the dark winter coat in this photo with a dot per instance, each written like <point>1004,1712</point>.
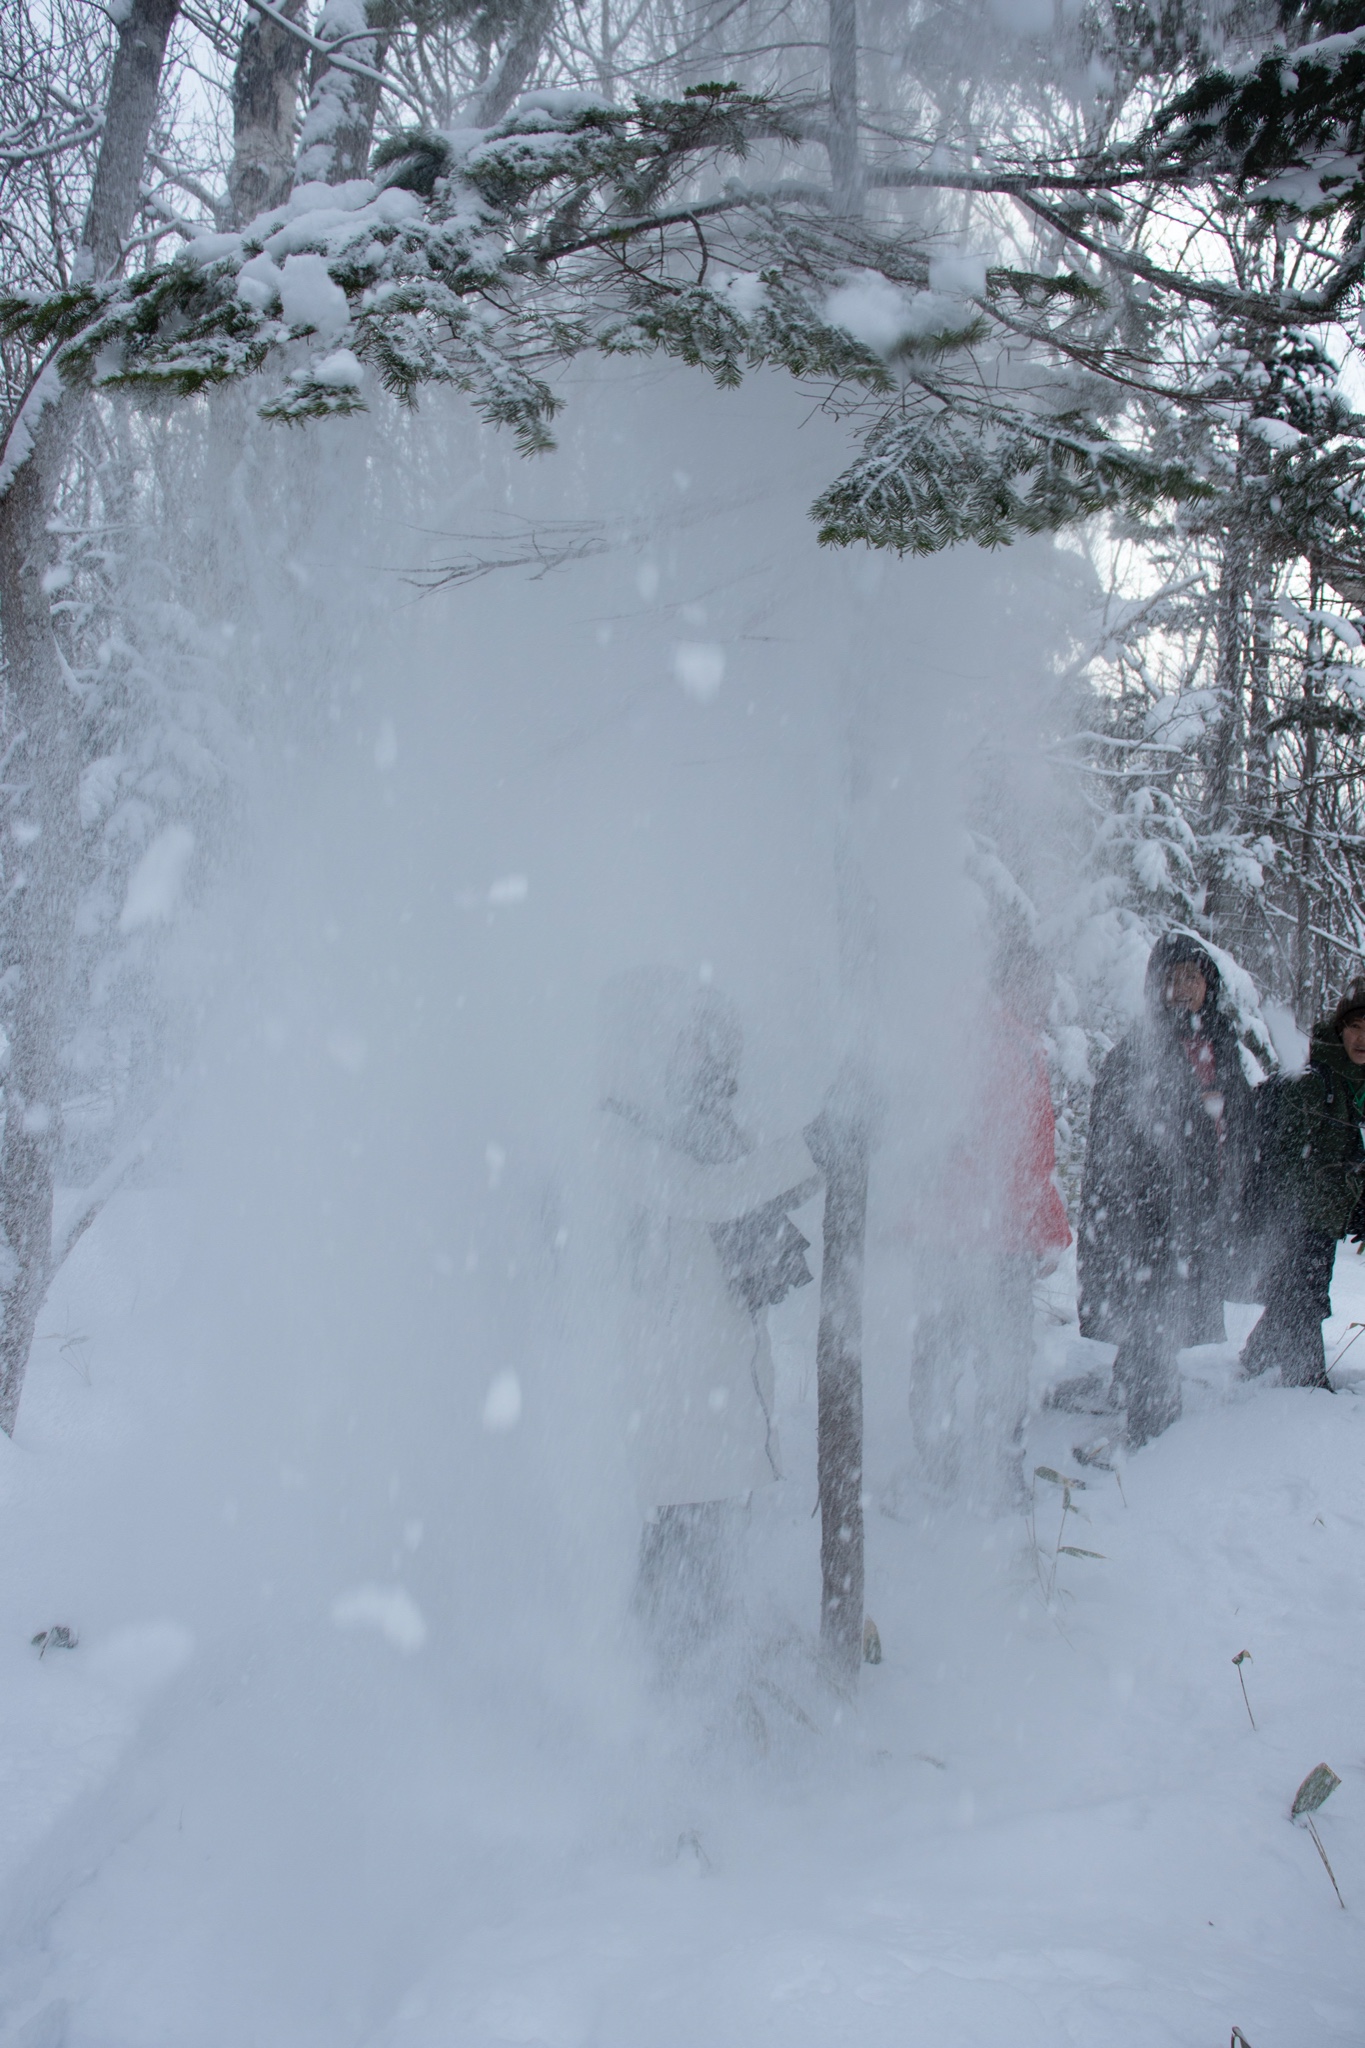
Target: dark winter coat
<point>1312,1158</point>
<point>1164,1180</point>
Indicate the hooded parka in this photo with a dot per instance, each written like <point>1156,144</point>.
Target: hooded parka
<point>695,1363</point>
<point>1166,1164</point>
<point>1311,1144</point>
<point>1310,1177</point>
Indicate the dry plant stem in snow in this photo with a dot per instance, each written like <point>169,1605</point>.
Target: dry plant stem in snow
<point>1318,1786</point>
<point>1059,1549</point>
<point>1244,1657</point>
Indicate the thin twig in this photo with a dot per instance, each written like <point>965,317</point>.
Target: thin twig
<point>1317,1843</point>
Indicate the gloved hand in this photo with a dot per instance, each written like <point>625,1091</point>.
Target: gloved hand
<point>848,1117</point>
<point>1353,1177</point>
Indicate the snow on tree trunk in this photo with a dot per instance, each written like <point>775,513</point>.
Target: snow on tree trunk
<point>265,95</point>
<point>338,129</point>
<point>41,718</point>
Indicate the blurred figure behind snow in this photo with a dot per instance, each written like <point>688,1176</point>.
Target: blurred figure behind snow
<point>1312,1193</point>
<point>702,1244</point>
<point>989,1224</point>
<point>1166,1164</point>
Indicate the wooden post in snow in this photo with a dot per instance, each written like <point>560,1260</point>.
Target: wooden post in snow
<point>839,1379</point>
<point>839,1348</point>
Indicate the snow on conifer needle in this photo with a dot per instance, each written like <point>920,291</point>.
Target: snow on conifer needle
<point>481,258</point>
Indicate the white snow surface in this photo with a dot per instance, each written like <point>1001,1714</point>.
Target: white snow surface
<point>309,299</point>
<point>155,883</point>
<point>958,270</point>
<point>226,1823</point>
<point>357,1747</point>
<point>391,1610</point>
<point>883,315</point>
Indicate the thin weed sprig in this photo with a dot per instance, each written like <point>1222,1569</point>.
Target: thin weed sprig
<point>1068,1486</point>
<point>1319,1785</point>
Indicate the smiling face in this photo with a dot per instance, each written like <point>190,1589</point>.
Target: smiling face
<point>1185,987</point>
<point>1353,1038</point>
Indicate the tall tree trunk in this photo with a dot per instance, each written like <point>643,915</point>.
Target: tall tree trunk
<point>1258,781</point>
<point>41,725</point>
<point>265,104</point>
<point>1306,962</point>
<point>338,129</point>
<point>1220,801</point>
<point>40,714</point>
<point>844,163</point>
<point>517,62</point>
<point>129,112</point>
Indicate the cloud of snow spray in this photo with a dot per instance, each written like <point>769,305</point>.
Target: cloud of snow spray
<point>378,1468</point>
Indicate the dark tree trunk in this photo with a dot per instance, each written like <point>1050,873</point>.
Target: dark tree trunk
<point>130,110</point>
<point>41,725</point>
<point>1267,965</point>
<point>44,822</point>
<point>1307,958</point>
<point>844,162</point>
<point>839,1373</point>
<point>1226,744</point>
<point>518,61</point>
<point>265,104</point>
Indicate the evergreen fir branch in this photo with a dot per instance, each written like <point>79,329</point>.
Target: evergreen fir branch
<point>1299,110</point>
<point>923,483</point>
<point>1036,291</point>
<point>1345,719</point>
<point>476,262</point>
<point>41,320</point>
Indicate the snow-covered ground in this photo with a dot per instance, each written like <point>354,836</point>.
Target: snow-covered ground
<point>231,1819</point>
<point>354,1749</point>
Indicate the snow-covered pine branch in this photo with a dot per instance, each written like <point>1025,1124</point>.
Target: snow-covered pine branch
<point>481,259</point>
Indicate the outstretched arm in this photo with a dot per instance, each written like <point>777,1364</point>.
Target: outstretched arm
<point>658,1177</point>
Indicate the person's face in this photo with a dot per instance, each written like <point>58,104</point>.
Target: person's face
<point>1185,987</point>
<point>716,1081</point>
<point>705,1072</point>
<point>1353,1038</point>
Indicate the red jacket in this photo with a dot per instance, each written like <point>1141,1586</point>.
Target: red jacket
<point>999,1193</point>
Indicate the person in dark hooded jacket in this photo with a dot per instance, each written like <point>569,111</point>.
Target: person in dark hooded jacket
<point>1312,1172</point>
<point>1166,1164</point>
